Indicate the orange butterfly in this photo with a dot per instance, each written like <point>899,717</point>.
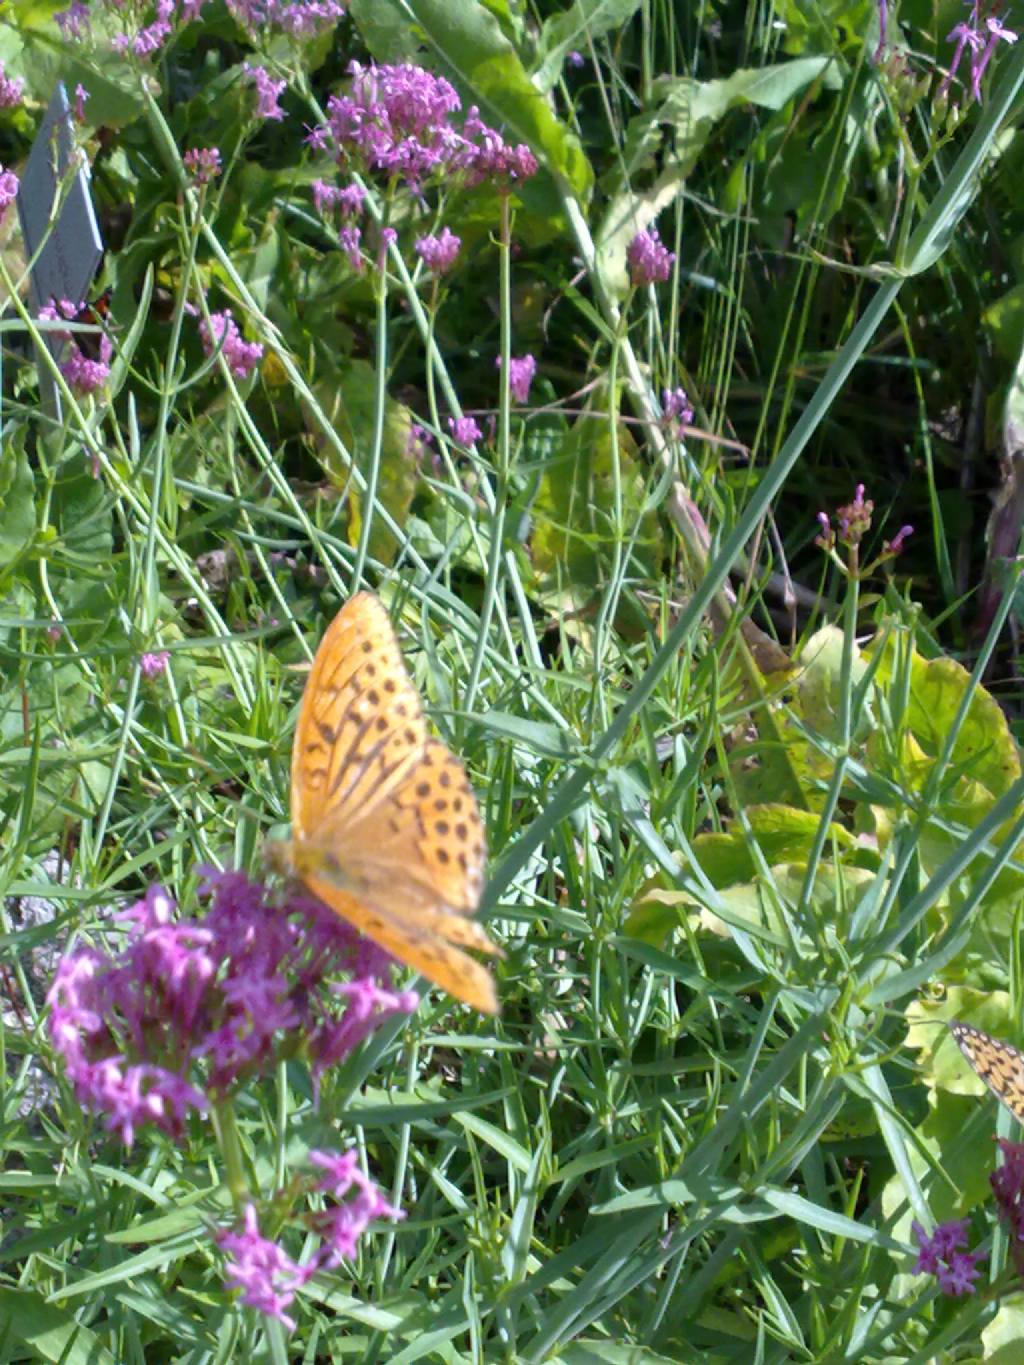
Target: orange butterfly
<point>385,827</point>
<point>1000,1065</point>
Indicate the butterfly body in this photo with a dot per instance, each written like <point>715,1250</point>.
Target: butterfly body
<point>96,312</point>
<point>385,827</point>
<point>997,1063</point>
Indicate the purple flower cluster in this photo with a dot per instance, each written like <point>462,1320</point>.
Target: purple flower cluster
<point>142,39</point>
<point>75,21</point>
<point>853,522</point>
<point>152,665</point>
<point>676,407</point>
<point>899,540</point>
<point>151,38</point>
<point>942,1255</point>
<point>464,430</point>
<point>299,18</point>
<point>241,357</point>
<point>979,35</point>
<point>268,92</point>
<point>417,443</point>
<point>202,164</point>
<point>438,252</point>
<point>397,122</point>
<point>649,261</point>
<point>347,199</point>
<point>190,1008</point>
<point>84,373</point>
<point>267,1275</point>
<point>8,190</point>
<point>11,88</point>
<point>521,370</point>
<point>262,1270</point>
<point>350,240</point>
<point>1008,1187</point>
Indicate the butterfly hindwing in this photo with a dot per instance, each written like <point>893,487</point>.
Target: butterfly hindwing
<point>997,1063</point>
<point>419,945</point>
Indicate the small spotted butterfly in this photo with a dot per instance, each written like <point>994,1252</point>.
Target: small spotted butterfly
<point>385,828</point>
<point>97,312</point>
<point>999,1065</point>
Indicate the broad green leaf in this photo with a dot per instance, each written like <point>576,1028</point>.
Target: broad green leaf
<point>536,737</point>
<point>353,410</point>
<point>574,28</point>
<point>1004,320</point>
<point>1003,1337</point>
<point>754,907</point>
<point>689,111</point>
<point>45,58</point>
<point>575,535</point>
<point>17,504</point>
<point>819,682</point>
<point>827,25</point>
<point>784,835</point>
<point>983,749</point>
<point>691,108</point>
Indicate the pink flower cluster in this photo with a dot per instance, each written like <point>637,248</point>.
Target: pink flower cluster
<point>853,521</point>
<point>980,34</point>
<point>152,665</point>
<point>202,164</point>
<point>350,240</point>
<point>464,430</point>
<point>347,199</point>
<point>299,18</point>
<point>11,88</point>
<point>221,333</point>
<point>8,190</point>
<point>438,252</point>
<point>521,370</point>
<point>139,38</point>
<point>190,1008</point>
<point>75,21</point>
<point>397,121</point>
<point>84,373</point>
<point>649,261</point>
<point>267,1275</point>
<point>676,406</point>
<point>268,92</point>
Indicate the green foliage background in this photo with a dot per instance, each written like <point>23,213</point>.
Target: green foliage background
<point>754,822</point>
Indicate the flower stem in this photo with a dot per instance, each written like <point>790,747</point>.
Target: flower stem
<point>230,1145</point>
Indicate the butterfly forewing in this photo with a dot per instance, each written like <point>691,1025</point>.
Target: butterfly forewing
<point>430,835</point>
<point>1000,1065</point>
<point>360,723</point>
<point>386,829</point>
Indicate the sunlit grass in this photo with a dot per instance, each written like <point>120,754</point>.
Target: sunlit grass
<point>731,860</point>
